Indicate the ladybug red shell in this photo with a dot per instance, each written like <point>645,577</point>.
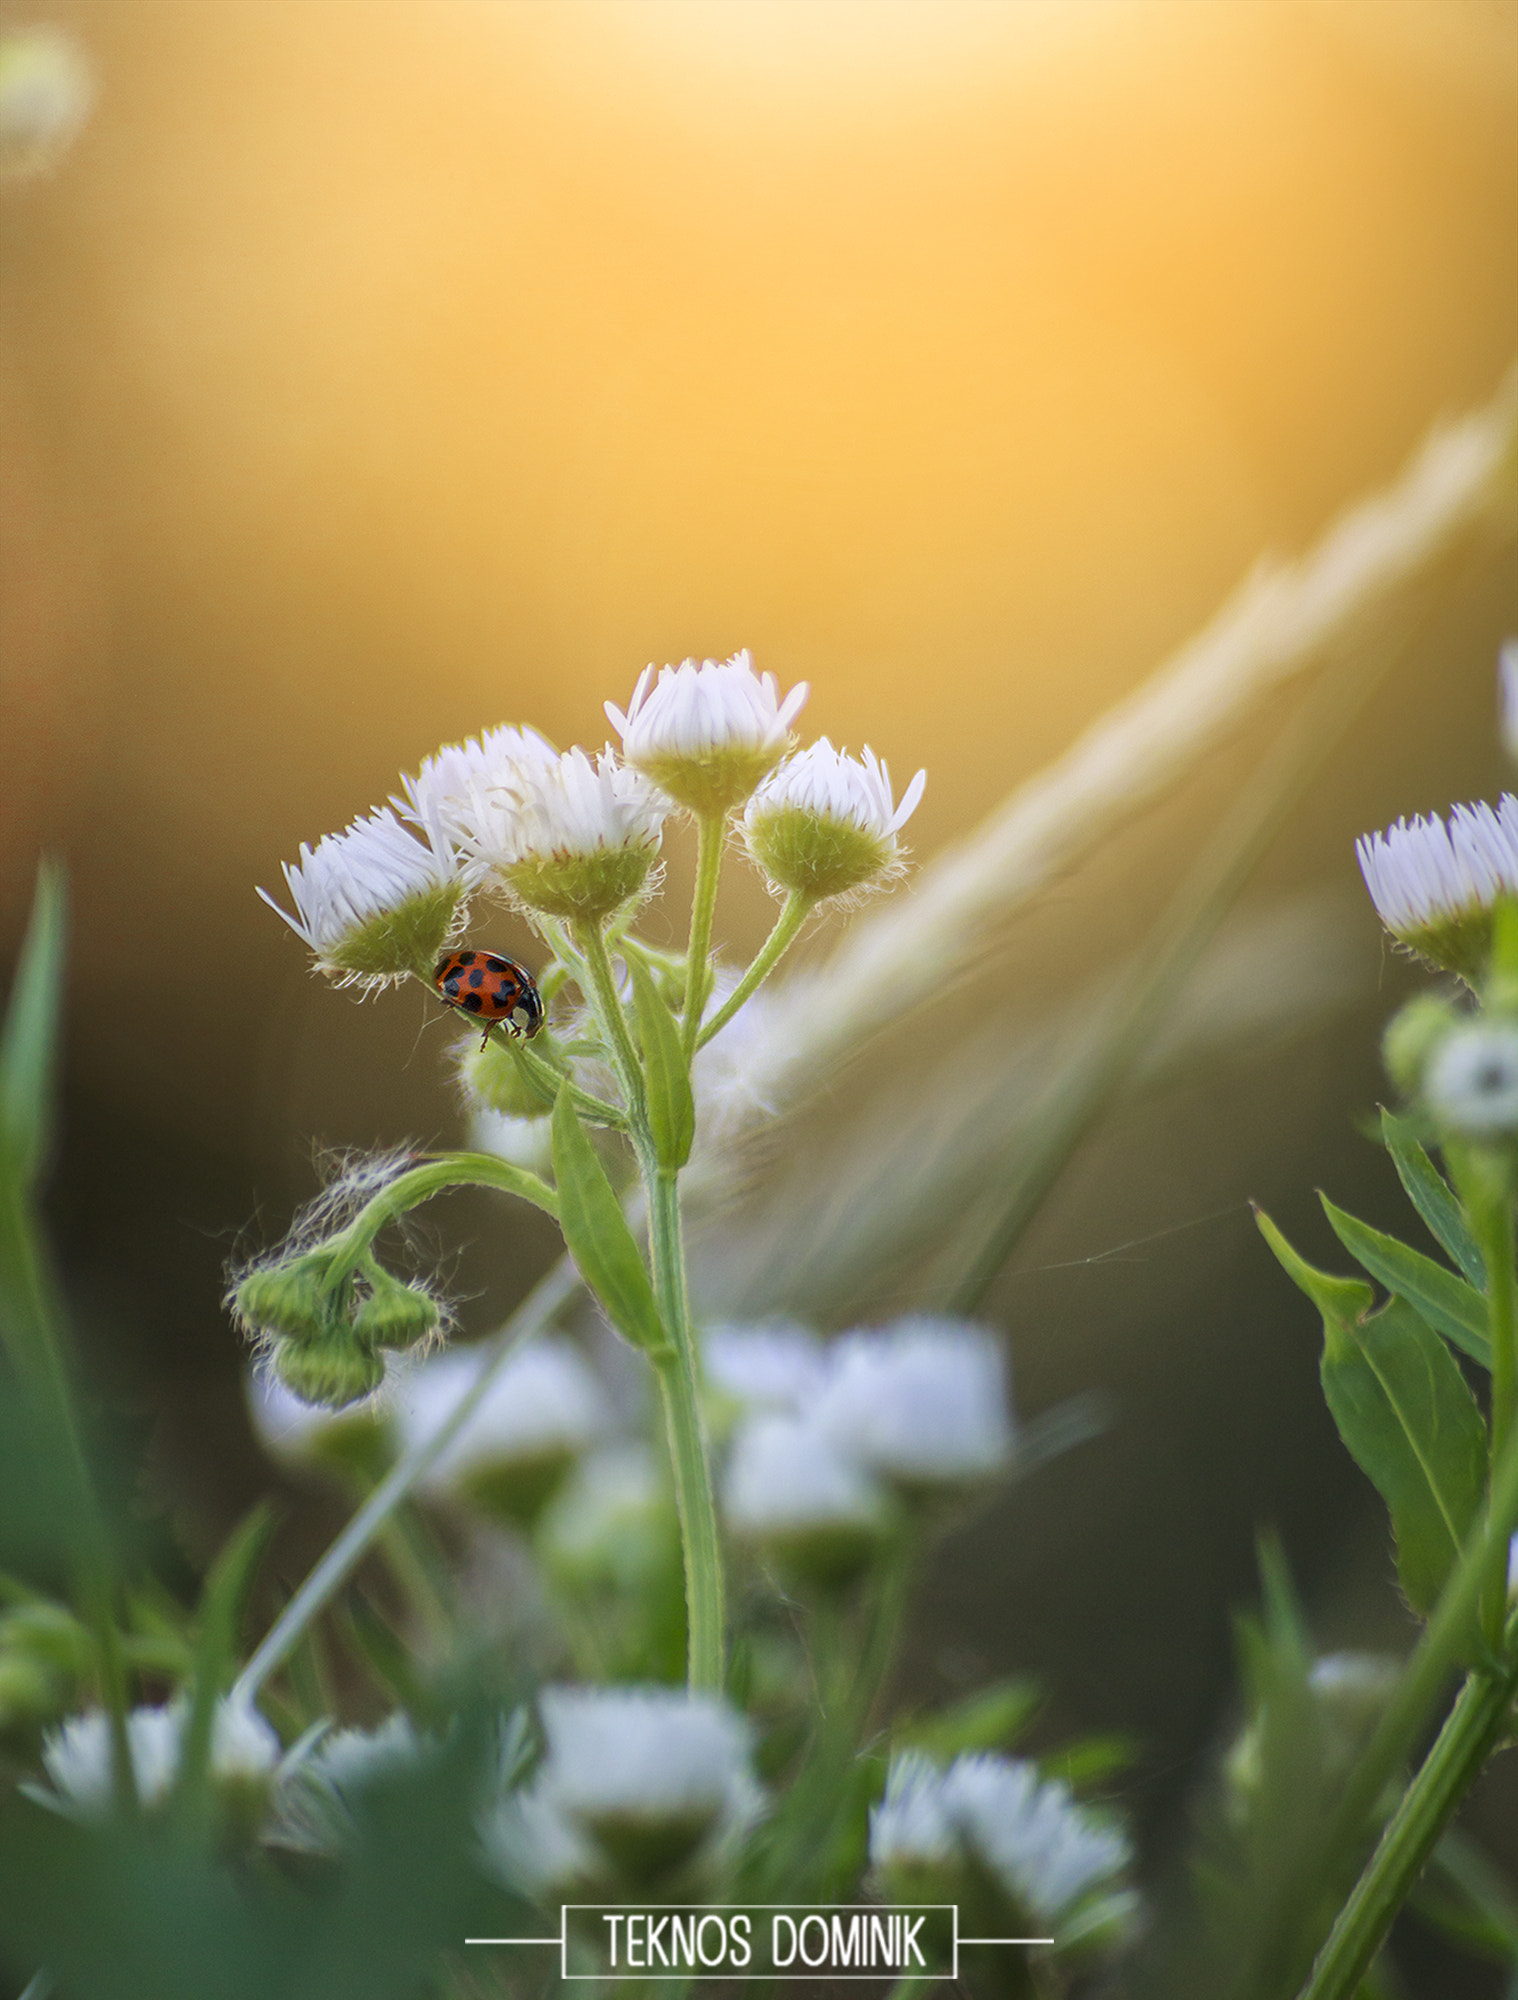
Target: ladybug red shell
<point>491,989</point>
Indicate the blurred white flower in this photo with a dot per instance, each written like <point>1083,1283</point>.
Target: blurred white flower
<point>788,1489</point>
<point>611,1521</point>
<point>373,903</point>
<point>922,1403</point>
<point>522,1142</point>
<point>1507,685</point>
<point>572,838</point>
<point>534,1849</point>
<point>1434,883</point>
<point>1471,1082</point>
<point>77,1756</point>
<point>46,92</point>
<point>706,734</point>
<point>1047,1851</point>
<point>911,1827</point>
<point>774,1364</point>
<point>824,824</point>
<point>1051,1857</point>
<point>544,1407</point>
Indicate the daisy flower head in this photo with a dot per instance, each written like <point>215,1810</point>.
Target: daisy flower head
<point>574,838</point>
<point>1435,883</point>
<point>374,903</point>
<point>921,1404</point>
<point>439,798</point>
<point>706,733</point>
<point>794,1495</point>
<point>655,1780</point>
<point>77,1757</point>
<point>825,824</point>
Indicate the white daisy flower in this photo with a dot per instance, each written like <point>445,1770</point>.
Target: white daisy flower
<point>657,1778</point>
<point>1507,681</point>
<point>1471,1082</point>
<point>777,1364</point>
<point>1052,1858</point>
<point>373,903</point>
<point>911,1827</point>
<point>611,1521</point>
<point>1434,883</point>
<point>438,798</point>
<point>77,1757</point>
<point>542,1410</point>
<point>922,1403</point>
<point>1048,1852</point>
<point>46,92</point>
<point>825,824</point>
<point>706,734</point>
<point>788,1489</point>
<point>575,838</point>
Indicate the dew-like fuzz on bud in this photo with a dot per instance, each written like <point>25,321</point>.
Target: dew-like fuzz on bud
<point>825,824</point>
<point>707,732</point>
<point>921,1404</point>
<point>1435,883</point>
<point>1471,1081</point>
<point>375,904</point>
<point>573,839</point>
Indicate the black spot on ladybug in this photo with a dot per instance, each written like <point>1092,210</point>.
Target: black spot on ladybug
<point>473,1002</point>
<point>499,964</point>
<point>476,978</point>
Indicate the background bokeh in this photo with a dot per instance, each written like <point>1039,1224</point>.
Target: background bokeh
<point>375,370</point>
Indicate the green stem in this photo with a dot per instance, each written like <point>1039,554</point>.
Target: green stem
<point>794,913</point>
<point>1449,1770</point>
<point>702,1544</point>
<point>711,831</point>
<point>344,1555</point>
<point>612,1022</point>
<point>419,1184</point>
<point>547,1078</point>
<point>1493,1220</point>
<point>676,1374</point>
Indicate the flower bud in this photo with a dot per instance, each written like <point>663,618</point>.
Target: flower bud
<point>393,1314</point>
<point>824,824</point>
<point>1435,884</point>
<point>707,734</point>
<point>1411,1036</point>
<point>292,1298</point>
<point>492,1080</point>
<point>1471,1082</point>
<point>333,1371</point>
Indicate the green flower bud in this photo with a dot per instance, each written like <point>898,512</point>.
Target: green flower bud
<point>493,1080</point>
<point>30,1691</point>
<point>824,824</point>
<point>395,1315</point>
<point>293,1298</point>
<point>48,1634</point>
<point>1411,1036</point>
<point>333,1372</point>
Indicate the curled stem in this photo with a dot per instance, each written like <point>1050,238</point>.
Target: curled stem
<point>419,1184</point>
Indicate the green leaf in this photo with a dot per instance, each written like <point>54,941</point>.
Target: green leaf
<point>1343,1302</point>
<point>28,1040</point>
<point>671,1108</point>
<point>989,1719</point>
<point>1444,1300</point>
<point>1410,1422</point>
<point>597,1236</point>
<point>221,1603</point>
<point>1432,1196</point>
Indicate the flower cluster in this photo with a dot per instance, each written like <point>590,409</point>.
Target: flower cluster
<point>244,1752</point>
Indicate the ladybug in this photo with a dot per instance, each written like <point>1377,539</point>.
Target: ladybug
<point>494,990</point>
